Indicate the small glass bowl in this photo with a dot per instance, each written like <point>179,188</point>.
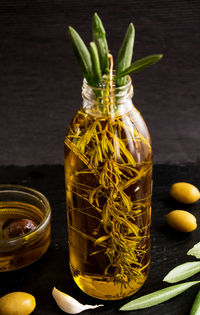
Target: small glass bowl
<point>20,202</point>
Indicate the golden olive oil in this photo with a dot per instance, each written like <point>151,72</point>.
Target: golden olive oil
<point>108,174</point>
<point>21,251</point>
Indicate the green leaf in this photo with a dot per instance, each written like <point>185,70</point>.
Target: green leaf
<point>157,297</point>
<point>95,63</point>
<point>195,250</point>
<point>183,272</point>
<point>196,305</point>
<point>82,55</point>
<point>99,37</point>
<point>139,65</point>
<point>125,53</point>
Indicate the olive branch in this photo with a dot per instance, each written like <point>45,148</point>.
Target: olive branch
<point>94,63</point>
<point>179,273</point>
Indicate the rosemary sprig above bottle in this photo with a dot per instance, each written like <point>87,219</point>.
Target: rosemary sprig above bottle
<point>94,63</point>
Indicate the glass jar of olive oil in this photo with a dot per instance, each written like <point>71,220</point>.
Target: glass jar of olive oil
<point>108,175</point>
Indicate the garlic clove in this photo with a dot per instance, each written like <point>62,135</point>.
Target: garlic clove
<point>68,304</point>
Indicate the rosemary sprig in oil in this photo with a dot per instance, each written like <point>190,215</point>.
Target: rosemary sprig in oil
<point>117,235</point>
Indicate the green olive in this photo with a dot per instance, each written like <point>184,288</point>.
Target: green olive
<point>181,220</point>
<point>185,192</point>
<point>17,303</point>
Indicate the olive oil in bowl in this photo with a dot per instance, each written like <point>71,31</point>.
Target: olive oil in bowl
<point>24,226</point>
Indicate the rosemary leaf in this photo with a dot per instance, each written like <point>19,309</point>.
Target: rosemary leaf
<point>182,272</point>
<point>195,250</point>
<point>196,305</point>
<point>139,65</point>
<point>157,297</point>
<point>82,55</point>
<point>99,37</point>
<point>102,239</point>
<point>95,63</point>
<point>124,150</point>
<point>125,53</point>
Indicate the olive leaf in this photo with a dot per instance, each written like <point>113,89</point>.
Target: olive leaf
<point>82,55</point>
<point>95,63</point>
<point>99,37</point>
<point>157,297</point>
<point>139,65</point>
<point>125,54</point>
<point>195,250</point>
<point>196,305</point>
<point>182,272</point>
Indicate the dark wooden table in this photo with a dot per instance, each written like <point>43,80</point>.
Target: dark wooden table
<point>169,248</point>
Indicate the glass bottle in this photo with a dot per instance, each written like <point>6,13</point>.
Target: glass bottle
<point>108,176</point>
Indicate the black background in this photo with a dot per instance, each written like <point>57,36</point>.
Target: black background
<point>40,82</point>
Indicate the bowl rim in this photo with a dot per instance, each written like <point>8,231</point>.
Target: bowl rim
<point>6,243</point>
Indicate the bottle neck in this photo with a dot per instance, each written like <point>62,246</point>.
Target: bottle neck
<point>107,100</point>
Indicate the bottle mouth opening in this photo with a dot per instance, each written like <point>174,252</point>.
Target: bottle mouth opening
<point>111,86</point>
<point>107,98</point>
